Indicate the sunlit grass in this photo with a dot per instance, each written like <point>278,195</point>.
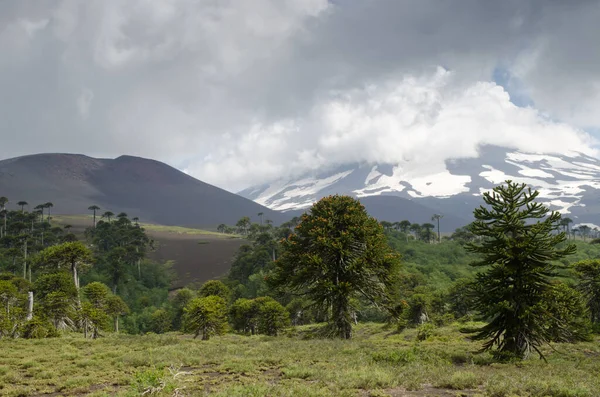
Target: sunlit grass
<point>378,362</point>
<point>79,219</point>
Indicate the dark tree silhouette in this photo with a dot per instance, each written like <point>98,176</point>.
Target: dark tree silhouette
<point>22,204</point>
<point>436,218</point>
<point>48,205</point>
<point>108,215</point>
<point>94,208</point>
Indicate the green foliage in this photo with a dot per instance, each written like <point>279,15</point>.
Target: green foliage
<point>337,252</point>
<point>120,247</point>
<point>588,274</point>
<point>178,303</point>
<point>37,328</point>
<point>22,235</point>
<point>13,301</point>
<point>460,298</point>
<point>519,247</point>
<point>161,321</point>
<point>244,315</point>
<point>263,315</point>
<point>56,299</point>
<point>567,317</point>
<point>49,283</point>
<point>215,288</point>
<point>99,307</point>
<point>272,316</point>
<point>206,316</point>
<point>70,256</point>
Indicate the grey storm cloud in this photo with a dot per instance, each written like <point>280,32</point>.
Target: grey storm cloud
<point>239,92</point>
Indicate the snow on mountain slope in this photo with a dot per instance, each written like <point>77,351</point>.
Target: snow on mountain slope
<point>568,183</point>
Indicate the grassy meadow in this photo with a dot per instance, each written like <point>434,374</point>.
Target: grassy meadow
<point>377,362</point>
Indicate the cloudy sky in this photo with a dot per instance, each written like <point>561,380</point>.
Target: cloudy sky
<point>239,92</point>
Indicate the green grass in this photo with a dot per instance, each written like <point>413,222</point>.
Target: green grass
<point>377,362</point>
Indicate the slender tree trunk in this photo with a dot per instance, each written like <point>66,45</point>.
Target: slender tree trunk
<point>75,276</point>
<point>94,219</point>
<point>30,305</point>
<point>25,261</point>
<point>117,324</point>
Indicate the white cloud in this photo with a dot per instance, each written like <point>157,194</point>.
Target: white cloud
<point>241,92</point>
<point>417,122</point>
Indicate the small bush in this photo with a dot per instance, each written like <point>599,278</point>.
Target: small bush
<point>151,381</point>
<point>425,331</point>
<point>461,381</point>
<point>37,328</point>
<point>396,357</point>
<point>161,321</point>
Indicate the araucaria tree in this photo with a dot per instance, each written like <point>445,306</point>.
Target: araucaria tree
<point>73,256</point>
<point>206,316</point>
<point>588,272</point>
<point>336,253</point>
<point>518,247</point>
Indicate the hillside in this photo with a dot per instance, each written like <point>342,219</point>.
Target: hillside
<point>143,188</point>
<point>569,183</point>
<point>197,255</point>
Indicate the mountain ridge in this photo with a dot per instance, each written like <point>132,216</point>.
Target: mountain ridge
<point>146,188</point>
<point>568,183</point>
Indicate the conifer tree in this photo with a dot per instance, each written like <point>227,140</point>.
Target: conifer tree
<point>337,253</point>
<point>518,247</point>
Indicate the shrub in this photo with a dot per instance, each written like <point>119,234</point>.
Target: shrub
<point>243,315</point>
<point>206,316</point>
<point>215,288</point>
<point>272,317</point>
<point>36,328</point>
<point>425,331</point>
<point>160,321</point>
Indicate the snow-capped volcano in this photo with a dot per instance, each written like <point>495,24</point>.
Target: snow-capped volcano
<point>569,183</point>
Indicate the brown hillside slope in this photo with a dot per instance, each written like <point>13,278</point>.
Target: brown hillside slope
<point>148,189</point>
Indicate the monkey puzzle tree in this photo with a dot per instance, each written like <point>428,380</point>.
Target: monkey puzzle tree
<point>22,204</point>
<point>72,256</point>
<point>108,215</point>
<point>427,232</point>
<point>94,208</point>
<point>588,272</point>
<point>215,288</point>
<point>40,208</point>
<point>48,205</point>
<point>518,248</point>
<point>206,316</point>
<point>337,252</point>
<point>115,307</point>
<point>436,218</point>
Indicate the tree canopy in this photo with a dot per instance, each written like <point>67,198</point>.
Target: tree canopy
<point>520,244</point>
<point>336,253</point>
